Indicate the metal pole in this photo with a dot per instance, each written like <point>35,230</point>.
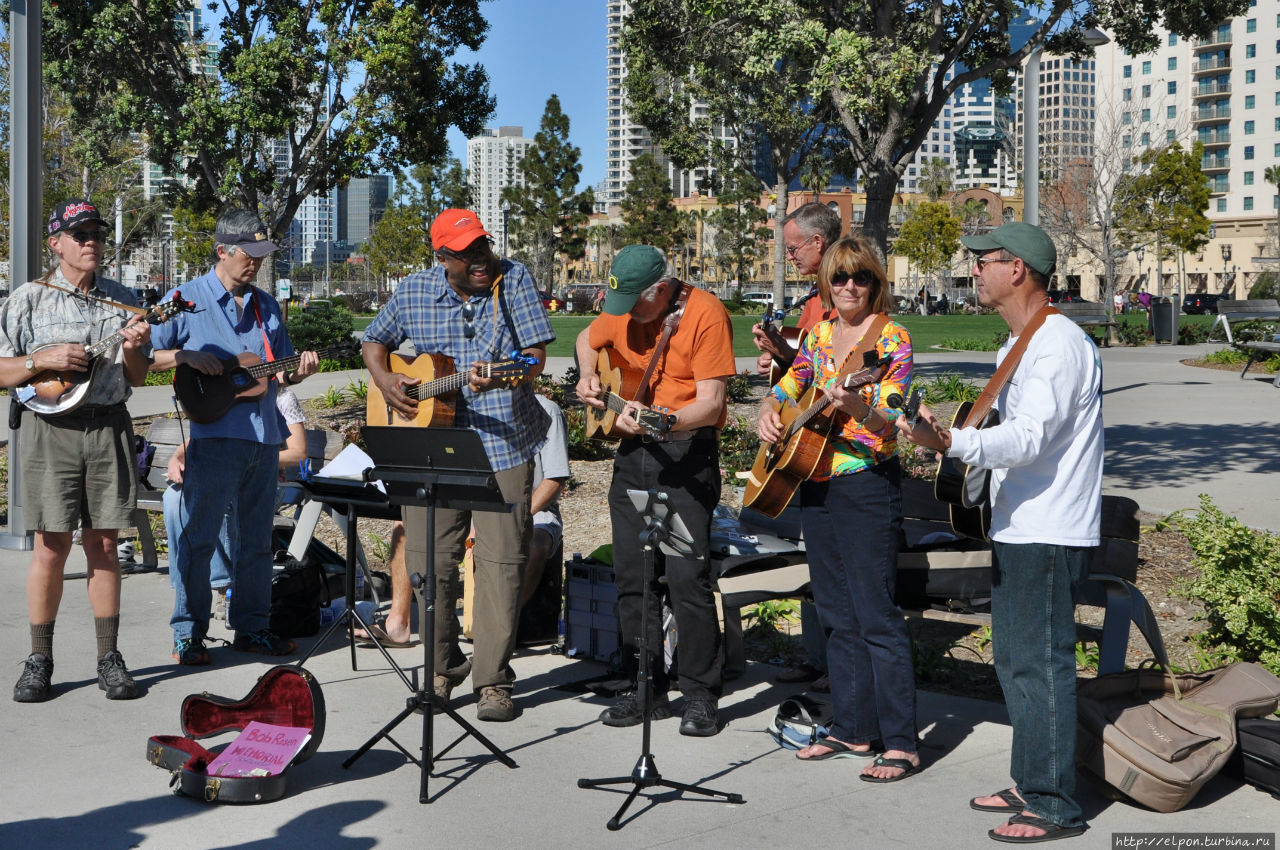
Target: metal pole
<point>1031,139</point>
<point>26,204</point>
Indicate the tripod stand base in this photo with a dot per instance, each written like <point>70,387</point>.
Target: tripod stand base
<point>645,775</point>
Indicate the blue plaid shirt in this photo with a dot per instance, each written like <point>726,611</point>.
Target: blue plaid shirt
<point>429,313</point>
<point>213,327</point>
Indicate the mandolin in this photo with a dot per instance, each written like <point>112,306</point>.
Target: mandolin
<point>52,392</point>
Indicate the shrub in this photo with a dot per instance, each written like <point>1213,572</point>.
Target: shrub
<point>1133,332</point>
<point>1192,333</point>
<point>969,344</point>
<point>949,386</point>
<point>1239,584</point>
<point>739,389</point>
<point>158,379</point>
<point>322,329</point>
<point>580,448</point>
<point>739,445</point>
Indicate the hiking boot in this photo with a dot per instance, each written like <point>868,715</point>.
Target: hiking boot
<point>33,684</point>
<point>264,642</point>
<point>114,678</point>
<point>495,705</point>
<point>699,719</point>
<point>626,711</point>
<point>190,652</point>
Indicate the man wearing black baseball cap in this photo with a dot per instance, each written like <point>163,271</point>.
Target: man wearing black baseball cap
<point>231,460</point>
<point>76,456</point>
<point>1045,457</point>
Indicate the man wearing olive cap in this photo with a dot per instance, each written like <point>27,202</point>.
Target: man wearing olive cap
<point>231,460</point>
<point>1046,505</point>
<point>680,457</point>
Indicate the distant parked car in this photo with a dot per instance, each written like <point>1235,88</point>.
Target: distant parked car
<point>1063,296</point>
<point>1198,303</point>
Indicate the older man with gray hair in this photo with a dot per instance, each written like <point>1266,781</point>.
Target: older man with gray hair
<point>231,460</point>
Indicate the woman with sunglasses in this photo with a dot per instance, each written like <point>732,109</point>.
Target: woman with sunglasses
<point>851,513</point>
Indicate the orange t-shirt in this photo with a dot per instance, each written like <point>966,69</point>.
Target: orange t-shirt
<point>813,313</point>
<point>701,349</point>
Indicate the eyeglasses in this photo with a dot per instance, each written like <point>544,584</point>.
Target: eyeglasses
<point>858,278</point>
<point>983,262</point>
<point>474,254</point>
<point>83,236</point>
<point>792,250</point>
<point>469,320</point>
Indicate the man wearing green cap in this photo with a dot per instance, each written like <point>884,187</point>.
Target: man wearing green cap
<point>1046,504</point>
<point>680,456</point>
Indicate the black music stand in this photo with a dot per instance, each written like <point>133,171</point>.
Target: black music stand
<point>663,529</point>
<point>430,468</point>
<point>356,498</point>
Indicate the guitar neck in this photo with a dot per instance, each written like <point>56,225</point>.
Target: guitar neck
<point>614,402</point>
<point>262,370</point>
<point>439,386</point>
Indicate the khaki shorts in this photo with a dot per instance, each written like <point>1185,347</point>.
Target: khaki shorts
<point>78,470</point>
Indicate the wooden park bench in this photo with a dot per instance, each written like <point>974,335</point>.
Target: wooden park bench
<point>1250,310</point>
<point>745,580</point>
<point>1087,315</point>
<point>167,434</point>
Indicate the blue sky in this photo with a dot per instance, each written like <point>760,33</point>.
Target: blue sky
<point>536,48</point>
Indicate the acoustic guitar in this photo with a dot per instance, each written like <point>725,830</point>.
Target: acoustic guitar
<point>206,398</point>
<point>785,338</point>
<point>52,391</point>
<point>437,378</point>
<point>967,489</point>
<point>618,385</point>
<point>807,425</point>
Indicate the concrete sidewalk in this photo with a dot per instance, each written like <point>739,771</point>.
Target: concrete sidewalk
<point>78,776</point>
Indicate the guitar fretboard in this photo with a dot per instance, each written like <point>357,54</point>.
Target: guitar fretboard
<point>439,386</point>
<point>262,370</point>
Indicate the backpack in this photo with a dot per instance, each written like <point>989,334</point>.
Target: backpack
<point>298,592</point>
<point>801,721</point>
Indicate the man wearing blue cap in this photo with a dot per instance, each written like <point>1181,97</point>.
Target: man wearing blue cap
<point>1046,509</point>
<point>231,460</point>
<point>652,320</point>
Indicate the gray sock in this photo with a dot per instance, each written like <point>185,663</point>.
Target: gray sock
<point>42,639</point>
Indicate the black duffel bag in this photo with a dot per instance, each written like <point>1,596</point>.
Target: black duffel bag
<point>298,592</point>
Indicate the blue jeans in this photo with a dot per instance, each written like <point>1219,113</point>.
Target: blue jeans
<point>220,566</point>
<point>220,473</point>
<point>1033,634</point>
<point>852,524</point>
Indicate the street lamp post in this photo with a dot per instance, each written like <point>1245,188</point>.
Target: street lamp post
<point>1226,257</point>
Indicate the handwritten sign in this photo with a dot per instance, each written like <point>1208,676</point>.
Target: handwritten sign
<point>262,749</point>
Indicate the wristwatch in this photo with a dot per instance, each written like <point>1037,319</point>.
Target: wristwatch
<point>31,363</point>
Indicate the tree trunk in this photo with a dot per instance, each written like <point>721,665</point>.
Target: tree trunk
<point>881,187</point>
<point>779,246</point>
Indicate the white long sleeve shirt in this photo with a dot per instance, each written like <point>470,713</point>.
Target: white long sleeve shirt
<point>1046,453</point>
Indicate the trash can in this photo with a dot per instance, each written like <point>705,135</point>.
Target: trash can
<point>1164,320</point>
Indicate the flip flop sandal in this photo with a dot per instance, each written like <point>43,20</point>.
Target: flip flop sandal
<point>837,750</point>
<point>1052,831</point>
<point>380,635</point>
<point>1013,803</point>
<point>907,768</point>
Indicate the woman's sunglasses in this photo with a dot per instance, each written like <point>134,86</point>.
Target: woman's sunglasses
<point>858,278</point>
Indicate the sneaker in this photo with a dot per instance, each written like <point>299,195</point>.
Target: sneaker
<point>33,684</point>
<point>125,552</point>
<point>220,603</point>
<point>264,642</point>
<point>190,652</point>
<point>114,678</point>
<point>700,719</point>
<point>626,711</point>
<point>495,705</point>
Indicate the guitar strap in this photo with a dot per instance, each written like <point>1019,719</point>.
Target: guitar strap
<point>992,390</point>
<point>669,325</point>
<point>141,311</point>
<point>853,362</point>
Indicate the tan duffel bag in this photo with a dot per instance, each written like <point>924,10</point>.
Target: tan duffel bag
<point>1158,738</point>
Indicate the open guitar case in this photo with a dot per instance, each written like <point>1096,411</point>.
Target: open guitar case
<point>284,696</point>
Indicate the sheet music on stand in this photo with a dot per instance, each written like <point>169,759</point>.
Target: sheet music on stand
<point>452,458</point>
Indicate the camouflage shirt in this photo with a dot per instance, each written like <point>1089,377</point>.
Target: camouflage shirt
<point>36,316</point>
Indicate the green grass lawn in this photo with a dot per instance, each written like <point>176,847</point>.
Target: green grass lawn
<point>926,331</point>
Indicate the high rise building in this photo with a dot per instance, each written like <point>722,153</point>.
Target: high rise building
<point>626,140</point>
<point>360,204</point>
<point>493,164</point>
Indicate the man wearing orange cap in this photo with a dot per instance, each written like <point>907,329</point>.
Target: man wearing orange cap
<point>473,308</point>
